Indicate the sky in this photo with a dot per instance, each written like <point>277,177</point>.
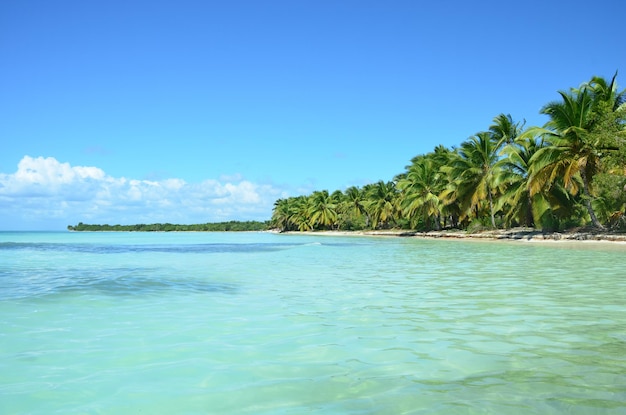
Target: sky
<point>126,112</point>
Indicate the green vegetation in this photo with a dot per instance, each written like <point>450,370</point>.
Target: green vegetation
<point>569,173</point>
<point>168,227</point>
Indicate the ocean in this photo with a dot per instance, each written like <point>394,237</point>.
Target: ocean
<point>260,323</point>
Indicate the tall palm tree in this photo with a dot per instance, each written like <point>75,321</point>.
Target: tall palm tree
<point>517,202</point>
<point>577,141</point>
<point>506,135</point>
<point>477,173</point>
<point>444,158</point>
<point>609,118</point>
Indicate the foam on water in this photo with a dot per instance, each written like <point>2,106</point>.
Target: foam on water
<point>285,324</point>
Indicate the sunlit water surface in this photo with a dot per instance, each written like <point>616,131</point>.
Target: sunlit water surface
<point>257,323</point>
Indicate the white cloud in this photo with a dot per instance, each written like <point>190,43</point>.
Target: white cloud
<point>47,193</point>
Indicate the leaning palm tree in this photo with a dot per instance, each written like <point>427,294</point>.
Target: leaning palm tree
<point>577,140</point>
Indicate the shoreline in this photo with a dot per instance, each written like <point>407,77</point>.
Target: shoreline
<point>516,234</point>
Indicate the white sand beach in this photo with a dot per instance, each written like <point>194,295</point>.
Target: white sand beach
<point>515,234</point>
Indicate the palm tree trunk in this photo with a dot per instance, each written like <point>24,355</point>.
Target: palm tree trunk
<point>528,219</point>
<point>594,219</point>
<point>493,219</point>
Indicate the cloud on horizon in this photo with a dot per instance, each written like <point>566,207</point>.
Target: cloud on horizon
<point>47,194</point>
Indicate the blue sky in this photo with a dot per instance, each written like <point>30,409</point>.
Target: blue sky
<point>201,111</point>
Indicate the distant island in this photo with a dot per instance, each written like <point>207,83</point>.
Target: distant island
<point>231,226</point>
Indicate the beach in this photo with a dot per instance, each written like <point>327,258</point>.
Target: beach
<point>515,234</point>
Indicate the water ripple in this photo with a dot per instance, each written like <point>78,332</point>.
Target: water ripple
<point>392,327</point>
<point>108,282</point>
<point>207,248</point>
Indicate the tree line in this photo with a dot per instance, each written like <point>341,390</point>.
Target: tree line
<point>569,173</point>
<point>231,226</point>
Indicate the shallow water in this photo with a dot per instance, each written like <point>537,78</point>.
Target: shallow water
<point>257,323</point>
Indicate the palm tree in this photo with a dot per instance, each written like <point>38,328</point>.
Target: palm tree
<point>577,140</point>
<point>443,158</point>
<point>382,203</point>
<point>504,130</point>
<point>420,187</point>
<point>607,92</point>
<point>337,197</point>
<point>609,119</point>
<point>355,204</point>
<point>281,214</point>
<point>477,173</point>
<point>322,209</point>
<point>517,202</point>
<point>301,216</point>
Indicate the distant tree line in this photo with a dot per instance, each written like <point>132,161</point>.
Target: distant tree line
<point>231,226</point>
<point>569,173</point>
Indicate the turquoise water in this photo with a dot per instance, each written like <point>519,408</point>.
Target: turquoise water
<point>257,323</point>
